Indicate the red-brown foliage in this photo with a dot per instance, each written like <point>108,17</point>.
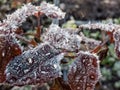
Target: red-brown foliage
<point>9,48</point>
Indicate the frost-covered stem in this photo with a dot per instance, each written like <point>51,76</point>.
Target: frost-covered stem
<point>38,31</point>
<point>32,42</point>
<point>97,48</point>
<point>22,38</point>
<point>101,26</point>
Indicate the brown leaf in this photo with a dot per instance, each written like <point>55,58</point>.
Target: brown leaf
<point>9,48</point>
<point>84,72</point>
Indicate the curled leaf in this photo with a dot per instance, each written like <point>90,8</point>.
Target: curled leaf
<point>105,27</point>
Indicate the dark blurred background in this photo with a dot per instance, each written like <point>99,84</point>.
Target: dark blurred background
<point>79,9</point>
<point>92,9</point>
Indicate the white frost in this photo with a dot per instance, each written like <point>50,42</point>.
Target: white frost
<point>62,38</point>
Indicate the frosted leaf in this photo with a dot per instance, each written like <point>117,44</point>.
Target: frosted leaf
<point>14,20</point>
<point>9,48</point>
<point>84,72</point>
<point>62,38</point>
<point>32,68</point>
<point>51,10</point>
<point>105,27</point>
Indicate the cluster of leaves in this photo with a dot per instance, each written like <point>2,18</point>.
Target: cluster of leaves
<point>59,56</point>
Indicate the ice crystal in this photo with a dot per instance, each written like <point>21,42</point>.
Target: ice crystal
<point>62,38</point>
<point>38,65</point>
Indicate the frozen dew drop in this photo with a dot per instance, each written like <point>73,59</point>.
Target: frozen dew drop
<point>25,71</point>
<point>88,88</point>
<point>47,54</point>
<point>30,60</point>
<point>78,88</point>
<point>43,72</point>
<point>3,54</point>
<point>55,66</point>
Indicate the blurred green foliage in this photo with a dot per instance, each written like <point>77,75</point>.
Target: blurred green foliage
<point>70,24</point>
